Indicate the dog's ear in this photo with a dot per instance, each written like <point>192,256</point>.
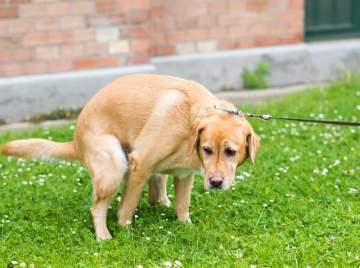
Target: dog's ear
<point>194,139</point>
<point>253,142</point>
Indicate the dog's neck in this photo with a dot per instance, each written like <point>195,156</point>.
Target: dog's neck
<point>203,110</point>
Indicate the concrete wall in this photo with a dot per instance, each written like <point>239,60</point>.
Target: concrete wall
<point>291,64</point>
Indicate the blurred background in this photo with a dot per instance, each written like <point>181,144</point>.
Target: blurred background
<point>60,52</point>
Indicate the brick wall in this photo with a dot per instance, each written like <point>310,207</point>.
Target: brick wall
<point>44,36</point>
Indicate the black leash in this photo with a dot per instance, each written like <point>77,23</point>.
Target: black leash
<point>314,121</point>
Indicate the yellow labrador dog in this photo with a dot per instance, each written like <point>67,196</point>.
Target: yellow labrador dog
<point>141,126</point>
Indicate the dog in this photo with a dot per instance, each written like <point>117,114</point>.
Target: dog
<point>140,128</point>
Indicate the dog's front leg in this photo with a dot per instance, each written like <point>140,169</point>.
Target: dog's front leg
<point>183,188</point>
<point>130,198</point>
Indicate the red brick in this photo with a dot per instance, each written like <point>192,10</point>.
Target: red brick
<point>236,6</point>
<point>267,41</point>
<point>165,49</point>
<point>82,7</point>
<point>4,27</point>
<point>228,44</point>
<point>93,48</point>
<point>137,16</point>
<point>58,8</point>
<point>137,59</point>
<point>136,32</point>
<point>74,22</point>
<point>83,35</point>
<point>10,42</point>
<point>164,24</point>
<point>186,23</point>
<point>11,69</point>
<point>196,8</point>
<point>59,65</point>
<point>84,63</point>
<point>218,32</point>
<point>105,6</point>
<point>90,63</point>
<point>8,12</point>
<point>72,51</point>
<point>159,37</point>
<point>195,35</point>
<point>36,38</point>
<point>139,46</point>
<point>31,10</point>
<point>36,67</point>
<point>16,2</point>
<point>257,5</point>
<point>108,61</point>
<point>229,19</point>
<point>47,53</point>
<point>157,12</point>
<point>133,4</point>
<point>59,37</point>
<point>21,26</point>
<point>46,24</point>
<point>206,21</point>
<point>12,55</point>
<point>175,36</point>
<point>217,7</point>
<point>239,31</point>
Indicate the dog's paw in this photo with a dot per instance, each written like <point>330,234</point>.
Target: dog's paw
<point>105,235</point>
<point>165,201</point>
<point>184,219</point>
<point>124,223</point>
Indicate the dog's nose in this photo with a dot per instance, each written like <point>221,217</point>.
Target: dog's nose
<point>216,181</point>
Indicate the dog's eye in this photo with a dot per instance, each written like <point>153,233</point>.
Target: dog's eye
<point>229,152</point>
<point>207,150</point>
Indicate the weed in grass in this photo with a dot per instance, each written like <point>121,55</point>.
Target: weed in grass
<point>258,78</point>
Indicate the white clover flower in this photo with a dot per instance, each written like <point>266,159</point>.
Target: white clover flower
<point>168,264</point>
<point>177,263</point>
<point>140,266</point>
<point>239,254</point>
<point>353,190</point>
<point>240,177</point>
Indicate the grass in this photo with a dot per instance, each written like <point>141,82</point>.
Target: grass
<point>298,206</point>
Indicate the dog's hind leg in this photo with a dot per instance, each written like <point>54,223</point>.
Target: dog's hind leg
<point>107,164</point>
<point>157,190</point>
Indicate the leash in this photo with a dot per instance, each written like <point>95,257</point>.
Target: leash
<point>314,121</point>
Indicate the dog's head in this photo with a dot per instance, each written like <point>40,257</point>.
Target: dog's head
<point>223,142</point>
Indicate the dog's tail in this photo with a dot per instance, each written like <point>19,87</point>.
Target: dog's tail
<point>40,149</point>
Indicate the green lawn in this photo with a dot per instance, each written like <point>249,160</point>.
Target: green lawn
<point>300,204</point>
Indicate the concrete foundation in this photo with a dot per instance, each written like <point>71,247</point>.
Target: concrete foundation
<point>291,64</point>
